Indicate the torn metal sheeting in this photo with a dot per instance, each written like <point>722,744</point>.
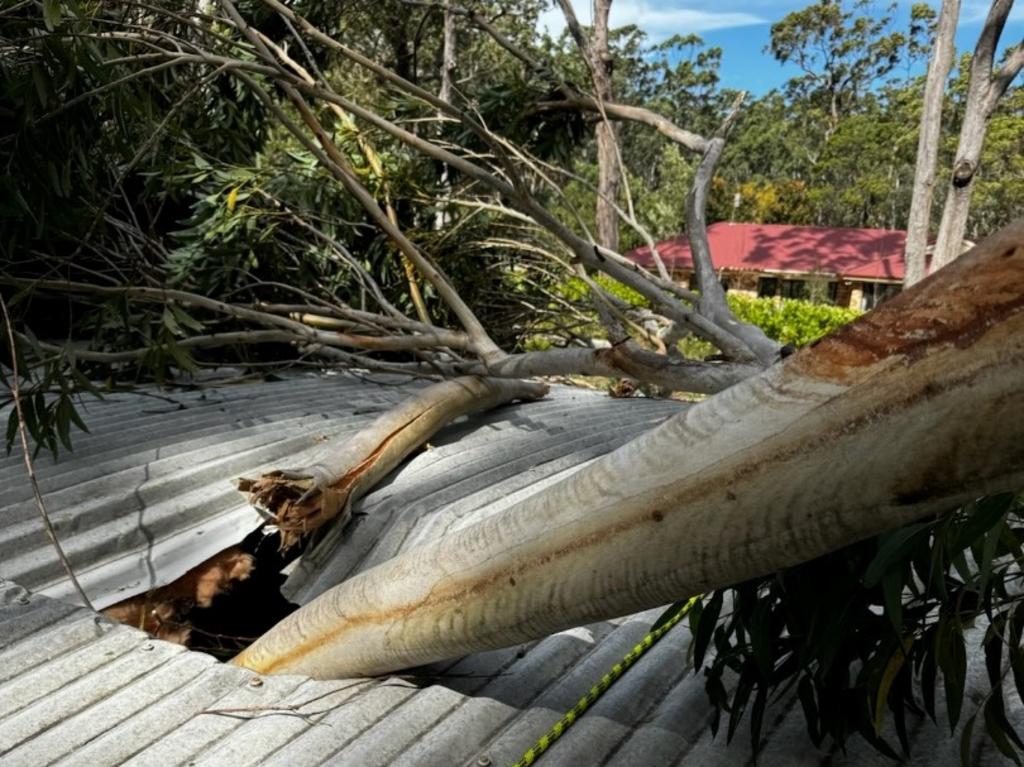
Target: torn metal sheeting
<point>148,493</point>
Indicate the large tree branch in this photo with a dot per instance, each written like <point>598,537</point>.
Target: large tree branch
<point>626,359</point>
<point>296,331</point>
<point>339,472</point>
<point>910,410</point>
<point>692,141</point>
<point>713,304</point>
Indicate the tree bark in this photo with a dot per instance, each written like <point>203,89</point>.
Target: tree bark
<point>609,175</point>
<point>598,58</point>
<point>983,94</point>
<point>928,142</point>
<point>912,409</point>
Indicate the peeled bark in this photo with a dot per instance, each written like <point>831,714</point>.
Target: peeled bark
<point>912,409</point>
<point>302,499</point>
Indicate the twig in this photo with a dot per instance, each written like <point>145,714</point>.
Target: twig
<point>23,432</point>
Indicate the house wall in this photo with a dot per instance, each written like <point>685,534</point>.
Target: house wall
<point>849,294</point>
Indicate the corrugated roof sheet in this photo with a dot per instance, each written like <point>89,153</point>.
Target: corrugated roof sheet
<point>76,689</point>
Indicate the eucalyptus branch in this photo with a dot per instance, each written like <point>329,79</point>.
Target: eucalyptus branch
<point>51,533</point>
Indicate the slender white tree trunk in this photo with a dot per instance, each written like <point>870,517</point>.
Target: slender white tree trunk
<point>448,63</point>
<point>928,142</point>
<point>915,407</point>
<point>983,96</point>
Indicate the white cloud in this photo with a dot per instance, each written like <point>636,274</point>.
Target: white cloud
<point>658,18</point>
<point>976,11</point>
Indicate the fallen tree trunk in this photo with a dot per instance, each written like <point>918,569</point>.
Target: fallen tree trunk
<point>300,500</point>
<point>912,409</point>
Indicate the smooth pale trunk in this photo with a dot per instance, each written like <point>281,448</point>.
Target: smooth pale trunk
<point>928,142</point>
<point>914,408</point>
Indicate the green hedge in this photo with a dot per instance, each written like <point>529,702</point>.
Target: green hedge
<point>788,321</point>
<point>791,321</point>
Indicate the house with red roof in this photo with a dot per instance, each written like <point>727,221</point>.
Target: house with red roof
<point>856,268</point>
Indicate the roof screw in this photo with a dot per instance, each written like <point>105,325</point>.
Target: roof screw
<point>23,600</point>
<point>484,761</point>
<point>148,646</point>
<point>255,682</point>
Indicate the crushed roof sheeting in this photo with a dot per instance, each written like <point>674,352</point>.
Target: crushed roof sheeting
<point>147,494</point>
<point>76,689</point>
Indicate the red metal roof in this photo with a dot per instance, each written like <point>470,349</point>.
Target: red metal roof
<point>863,254</point>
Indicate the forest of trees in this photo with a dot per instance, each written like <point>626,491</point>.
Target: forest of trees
<point>444,191</point>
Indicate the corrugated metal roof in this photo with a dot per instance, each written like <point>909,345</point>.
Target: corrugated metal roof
<point>147,493</point>
<point>867,254</point>
<point>76,689</point>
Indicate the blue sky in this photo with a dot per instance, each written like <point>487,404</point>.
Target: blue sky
<point>741,29</point>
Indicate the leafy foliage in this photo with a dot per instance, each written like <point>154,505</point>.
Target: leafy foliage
<point>791,321</point>
<point>788,321</point>
<point>868,633</point>
<point>49,392</point>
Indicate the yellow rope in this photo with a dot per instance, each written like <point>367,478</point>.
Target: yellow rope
<point>603,684</point>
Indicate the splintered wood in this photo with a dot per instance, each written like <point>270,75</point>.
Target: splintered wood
<point>302,499</point>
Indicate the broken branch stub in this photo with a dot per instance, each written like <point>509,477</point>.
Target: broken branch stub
<point>302,499</point>
<point>909,411</point>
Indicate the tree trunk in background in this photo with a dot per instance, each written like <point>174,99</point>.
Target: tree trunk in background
<point>909,411</point>
<point>609,175</point>
<point>928,142</point>
<point>448,64</point>
<point>448,57</point>
<point>983,95</point>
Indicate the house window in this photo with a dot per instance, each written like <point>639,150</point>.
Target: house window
<point>822,291</point>
<point>794,289</point>
<point>877,292</point>
<point>767,287</point>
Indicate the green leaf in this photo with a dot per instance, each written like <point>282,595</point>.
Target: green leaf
<point>669,614</point>
<point>75,418</point>
<point>185,319</point>
<point>63,421</point>
<point>180,356</point>
<point>986,514</point>
<point>757,717</point>
<point>892,668</point>
<point>892,596</point>
<point>988,551</point>
<point>12,429</point>
<point>761,639</point>
<point>929,673</point>
<point>51,14</point>
<point>893,548</point>
<point>705,628</point>
<point>965,742</point>
<point>1017,666</point>
<point>805,692</point>
<point>951,654</point>
<point>999,729</point>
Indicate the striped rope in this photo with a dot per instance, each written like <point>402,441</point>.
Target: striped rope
<point>594,693</point>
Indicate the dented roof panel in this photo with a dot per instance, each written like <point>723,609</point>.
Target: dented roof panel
<point>77,689</point>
